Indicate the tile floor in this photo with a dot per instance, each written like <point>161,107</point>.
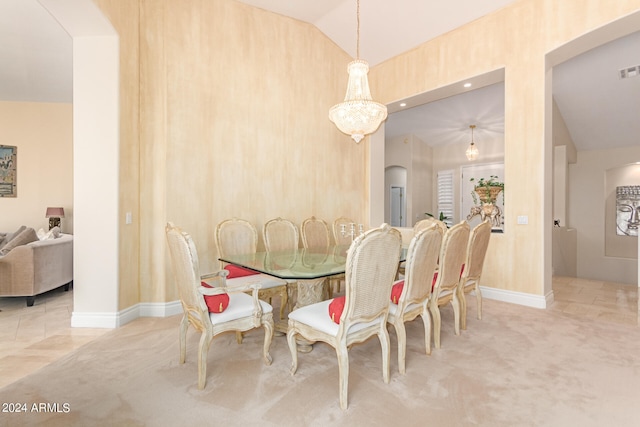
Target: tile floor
<point>33,337</point>
<point>596,299</point>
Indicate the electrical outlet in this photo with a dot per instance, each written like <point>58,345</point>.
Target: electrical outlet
<point>523,219</point>
<point>127,218</point>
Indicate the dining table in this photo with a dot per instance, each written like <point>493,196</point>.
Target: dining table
<point>308,267</point>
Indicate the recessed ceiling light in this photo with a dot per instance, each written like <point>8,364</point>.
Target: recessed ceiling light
<point>467,85</point>
<point>403,104</point>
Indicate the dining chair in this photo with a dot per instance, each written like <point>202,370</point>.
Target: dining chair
<point>415,289</point>
<point>315,235</point>
<point>474,261</point>
<point>243,312</point>
<point>425,223</point>
<point>237,236</point>
<point>452,253</point>
<point>281,234</point>
<point>371,266</point>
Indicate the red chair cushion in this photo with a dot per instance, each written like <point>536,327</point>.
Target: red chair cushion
<point>396,291</point>
<point>236,271</point>
<point>336,307</point>
<point>216,303</point>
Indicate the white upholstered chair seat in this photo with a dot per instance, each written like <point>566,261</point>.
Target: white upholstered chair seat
<point>317,316</point>
<point>240,305</point>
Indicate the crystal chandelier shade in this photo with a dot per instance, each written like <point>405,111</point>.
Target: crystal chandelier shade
<point>358,115</point>
<point>472,151</point>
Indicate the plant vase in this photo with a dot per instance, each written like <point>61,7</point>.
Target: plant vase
<point>488,194</point>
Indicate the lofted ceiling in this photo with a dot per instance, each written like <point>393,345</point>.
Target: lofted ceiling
<point>599,108</point>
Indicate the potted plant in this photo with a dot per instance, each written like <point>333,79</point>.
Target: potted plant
<point>441,217</point>
<point>486,190</point>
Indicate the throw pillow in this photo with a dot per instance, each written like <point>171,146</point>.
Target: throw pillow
<point>396,291</point>
<point>9,236</point>
<point>215,303</point>
<point>3,237</point>
<point>336,307</point>
<point>236,271</point>
<point>55,232</point>
<point>28,235</point>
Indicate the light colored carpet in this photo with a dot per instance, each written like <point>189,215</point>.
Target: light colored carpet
<point>517,367</point>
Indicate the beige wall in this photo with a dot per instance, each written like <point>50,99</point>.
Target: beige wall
<point>518,39</point>
<point>43,134</point>
<point>233,122</point>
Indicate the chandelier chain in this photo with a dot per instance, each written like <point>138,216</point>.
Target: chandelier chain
<point>358,29</point>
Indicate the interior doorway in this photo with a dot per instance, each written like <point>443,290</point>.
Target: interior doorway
<point>398,207</point>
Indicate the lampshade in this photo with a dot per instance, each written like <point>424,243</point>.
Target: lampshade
<point>472,151</point>
<point>358,115</point>
<point>55,213</point>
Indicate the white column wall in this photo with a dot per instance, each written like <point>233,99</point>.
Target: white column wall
<point>95,160</point>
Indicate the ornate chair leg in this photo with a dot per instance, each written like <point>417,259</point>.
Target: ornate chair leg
<point>435,315</point>
<point>268,336</point>
<point>184,325</point>
<point>426,320</point>
<point>386,354</point>
<point>293,348</point>
<point>203,350</point>
<point>401,333</point>
<point>343,368</point>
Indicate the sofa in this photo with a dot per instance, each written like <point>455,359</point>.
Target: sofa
<point>37,266</point>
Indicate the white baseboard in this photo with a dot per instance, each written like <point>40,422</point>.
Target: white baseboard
<point>520,298</point>
<point>115,320</point>
<point>160,309</point>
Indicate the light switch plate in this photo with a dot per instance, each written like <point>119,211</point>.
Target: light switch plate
<point>523,219</point>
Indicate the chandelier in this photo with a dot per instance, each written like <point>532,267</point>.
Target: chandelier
<point>472,151</point>
<point>358,115</point>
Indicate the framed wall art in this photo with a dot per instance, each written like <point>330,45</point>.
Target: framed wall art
<point>8,171</point>
<point>627,210</point>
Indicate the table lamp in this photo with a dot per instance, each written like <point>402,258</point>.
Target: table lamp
<point>54,215</point>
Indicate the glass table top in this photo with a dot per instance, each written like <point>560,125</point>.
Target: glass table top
<point>300,264</point>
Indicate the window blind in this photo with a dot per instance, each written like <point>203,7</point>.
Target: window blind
<point>445,195</point>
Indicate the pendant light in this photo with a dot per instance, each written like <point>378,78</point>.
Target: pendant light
<point>358,115</point>
<point>472,152</point>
